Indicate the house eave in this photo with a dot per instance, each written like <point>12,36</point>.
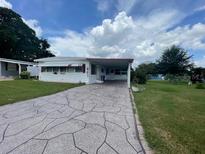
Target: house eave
<point>16,61</point>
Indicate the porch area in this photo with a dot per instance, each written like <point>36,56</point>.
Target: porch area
<point>103,70</point>
<point>11,68</point>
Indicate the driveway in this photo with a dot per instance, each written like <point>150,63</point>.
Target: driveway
<point>90,119</point>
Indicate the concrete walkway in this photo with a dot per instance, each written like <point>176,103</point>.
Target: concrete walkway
<point>88,119</point>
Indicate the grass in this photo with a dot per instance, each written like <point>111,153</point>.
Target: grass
<point>173,117</point>
<point>18,90</point>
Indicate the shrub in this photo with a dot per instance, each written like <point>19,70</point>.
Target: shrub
<point>177,78</point>
<point>25,75</point>
<point>200,86</point>
<point>140,77</point>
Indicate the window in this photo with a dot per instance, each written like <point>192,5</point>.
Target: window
<point>62,70</point>
<point>6,66</point>
<point>10,67</point>
<point>55,69</point>
<point>49,69</point>
<point>107,71</point>
<point>78,69</point>
<point>83,68</point>
<point>17,67</point>
<point>124,72</point>
<point>70,69</point>
<point>117,72</point>
<point>93,69</point>
<point>43,69</point>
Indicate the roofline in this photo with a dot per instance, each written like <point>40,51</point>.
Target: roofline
<point>58,59</point>
<point>16,61</point>
<point>128,59</point>
<point>80,58</point>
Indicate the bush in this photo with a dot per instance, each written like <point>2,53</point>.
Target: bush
<point>200,86</point>
<point>177,78</point>
<point>140,77</point>
<point>25,75</point>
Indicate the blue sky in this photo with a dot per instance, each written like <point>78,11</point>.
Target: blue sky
<point>141,29</point>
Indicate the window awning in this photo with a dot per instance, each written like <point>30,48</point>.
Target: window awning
<point>58,65</point>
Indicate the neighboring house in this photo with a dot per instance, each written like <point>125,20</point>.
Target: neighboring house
<point>156,76</point>
<point>85,70</point>
<point>12,68</point>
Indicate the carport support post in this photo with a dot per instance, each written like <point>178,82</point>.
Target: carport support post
<point>128,75</point>
<point>19,69</point>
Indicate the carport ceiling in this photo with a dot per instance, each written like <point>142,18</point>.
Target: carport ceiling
<point>111,62</point>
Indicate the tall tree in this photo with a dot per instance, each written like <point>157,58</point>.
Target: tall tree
<point>175,61</point>
<point>18,41</point>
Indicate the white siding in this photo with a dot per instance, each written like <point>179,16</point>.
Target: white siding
<point>72,77</point>
<point>75,77</point>
<point>33,70</point>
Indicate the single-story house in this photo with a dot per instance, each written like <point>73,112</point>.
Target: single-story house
<point>12,68</point>
<point>84,70</point>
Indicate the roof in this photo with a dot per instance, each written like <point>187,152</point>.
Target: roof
<point>93,59</point>
<point>15,61</point>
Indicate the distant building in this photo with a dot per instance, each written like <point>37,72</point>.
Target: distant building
<point>156,77</point>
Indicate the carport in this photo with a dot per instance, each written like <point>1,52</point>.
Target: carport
<point>111,69</point>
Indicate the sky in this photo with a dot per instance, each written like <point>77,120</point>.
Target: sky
<point>139,29</point>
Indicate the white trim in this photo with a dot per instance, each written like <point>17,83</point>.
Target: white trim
<point>128,74</point>
<point>52,59</point>
<point>16,61</point>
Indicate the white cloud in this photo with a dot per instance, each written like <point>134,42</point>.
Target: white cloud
<point>201,8</point>
<point>34,24</point>
<point>103,5</point>
<point>143,39</point>
<point>4,3</point>
<point>120,5</point>
<point>71,44</point>
<point>126,5</point>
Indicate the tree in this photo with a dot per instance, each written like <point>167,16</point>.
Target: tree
<point>198,74</point>
<point>140,75</point>
<point>149,68</point>
<point>18,41</point>
<point>174,61</point>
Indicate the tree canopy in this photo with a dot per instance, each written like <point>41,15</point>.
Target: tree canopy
<point>148,68</point>
<point>175,61</point>
<point>18,41</point>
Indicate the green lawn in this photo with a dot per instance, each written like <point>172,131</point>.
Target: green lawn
<point>173,117</point>
<point>17,90</point>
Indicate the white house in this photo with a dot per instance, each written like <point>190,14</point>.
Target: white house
<point>84,70</point>
<point>12,68</point>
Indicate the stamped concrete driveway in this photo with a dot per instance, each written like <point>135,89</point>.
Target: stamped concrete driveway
<point>88,119</point>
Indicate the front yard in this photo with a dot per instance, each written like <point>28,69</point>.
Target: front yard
<point>17,90</point>
<point>173,117</point>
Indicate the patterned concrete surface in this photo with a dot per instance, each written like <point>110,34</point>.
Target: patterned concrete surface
<point>88,119</point>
